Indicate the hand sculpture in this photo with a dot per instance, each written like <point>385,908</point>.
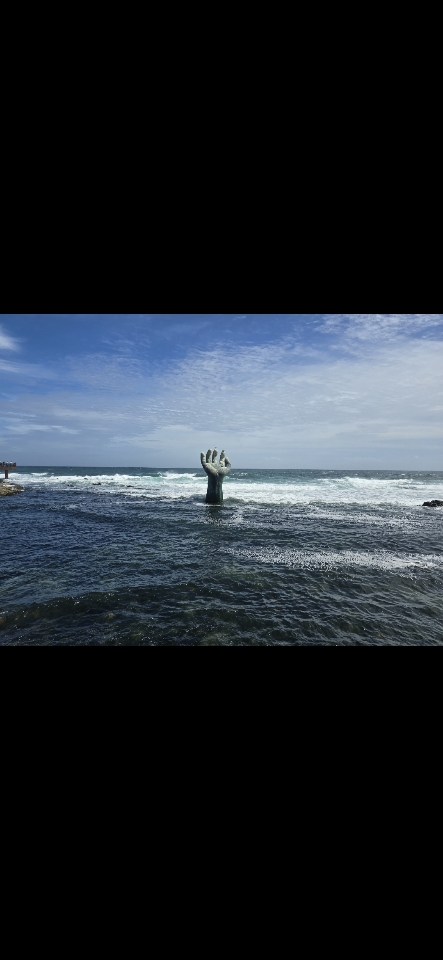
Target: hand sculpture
<point>216,474</point>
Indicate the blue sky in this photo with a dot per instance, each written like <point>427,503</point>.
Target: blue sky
<point>362,391</point>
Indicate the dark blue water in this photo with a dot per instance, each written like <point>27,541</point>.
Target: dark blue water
<point>293,557</point>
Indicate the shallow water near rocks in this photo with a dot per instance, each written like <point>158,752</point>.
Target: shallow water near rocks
<point>134,556</point>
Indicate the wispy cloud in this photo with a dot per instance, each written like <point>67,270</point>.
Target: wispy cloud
<point>107,371</point>
<point>264,385</point>
<point>7,342</point>
<point>19,427</point>
<point>29,371</point>
<point>376,327</point>
<point>289,402</point>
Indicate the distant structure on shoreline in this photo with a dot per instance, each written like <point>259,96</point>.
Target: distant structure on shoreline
<point>7,465</point>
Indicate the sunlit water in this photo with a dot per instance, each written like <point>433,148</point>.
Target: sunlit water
<point>292,557</point>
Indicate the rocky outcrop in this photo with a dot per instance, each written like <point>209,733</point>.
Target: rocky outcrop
<point>433,503</point>
<point>8,489</point>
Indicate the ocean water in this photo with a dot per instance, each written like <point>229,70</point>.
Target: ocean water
<point>294,557</point>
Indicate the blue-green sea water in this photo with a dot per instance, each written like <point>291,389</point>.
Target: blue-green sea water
<point>293,557</point>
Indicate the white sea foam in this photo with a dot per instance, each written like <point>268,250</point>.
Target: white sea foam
<point>170,475</point>
<point>331,559</point>
<point>320,493</point>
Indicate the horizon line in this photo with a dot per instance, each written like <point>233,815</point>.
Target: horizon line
<point>175,467</point>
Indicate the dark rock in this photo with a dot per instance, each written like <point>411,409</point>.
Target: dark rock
<point>433,503</point>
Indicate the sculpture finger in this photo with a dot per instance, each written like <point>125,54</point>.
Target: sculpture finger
<point>214,456</point>
<point>208,456</point>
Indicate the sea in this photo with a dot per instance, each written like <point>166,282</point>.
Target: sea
<point>134,556</point>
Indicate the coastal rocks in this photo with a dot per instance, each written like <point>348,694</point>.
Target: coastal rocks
<point>433,503</point>
<point>8,489</point>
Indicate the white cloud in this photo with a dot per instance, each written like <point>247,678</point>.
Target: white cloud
<point>28,371</point>
<point>279,403</point>
<point>265,402</point>
<point>375,327</point>
<point>19,427</point>
<point>7,342</point>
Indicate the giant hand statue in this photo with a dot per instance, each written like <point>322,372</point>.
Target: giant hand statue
<point>216,474</point>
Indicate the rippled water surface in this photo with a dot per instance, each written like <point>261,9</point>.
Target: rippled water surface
<point>292,557</point>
